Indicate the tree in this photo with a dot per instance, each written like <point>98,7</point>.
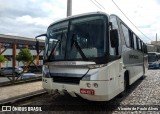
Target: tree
<point>25,56</point>
<point>3,59</point>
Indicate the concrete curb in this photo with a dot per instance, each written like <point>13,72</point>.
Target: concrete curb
<point>9,83</point>
<point>22,97</point>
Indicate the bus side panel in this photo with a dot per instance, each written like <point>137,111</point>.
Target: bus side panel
<point>133,62</point>
<point>114,73</point>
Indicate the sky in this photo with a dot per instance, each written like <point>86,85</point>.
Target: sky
<point>29,18</point>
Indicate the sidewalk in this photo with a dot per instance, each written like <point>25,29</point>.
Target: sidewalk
<point>8,92</point>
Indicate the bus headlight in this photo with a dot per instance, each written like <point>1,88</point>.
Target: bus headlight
<point>45,71</point>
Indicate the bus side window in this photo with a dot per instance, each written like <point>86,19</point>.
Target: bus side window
<point>140,46</point>
<point>131,39</point>
<point>135,42</point>
<point>126,35</point>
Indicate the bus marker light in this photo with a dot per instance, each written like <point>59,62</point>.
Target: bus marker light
<point>88,85</point>
<point>87,91</point>
<point>95,85</point>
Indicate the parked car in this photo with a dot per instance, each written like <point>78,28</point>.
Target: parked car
<point>34,69</point>
<point>9,71</point>
<point>28,75</point>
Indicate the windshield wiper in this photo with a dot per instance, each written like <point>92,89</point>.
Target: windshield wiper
<point>49,57</point>
<point>58,41</point>
<point>74,42</point>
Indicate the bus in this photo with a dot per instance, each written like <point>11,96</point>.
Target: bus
<point>94,56</point>
<point>153,60</point>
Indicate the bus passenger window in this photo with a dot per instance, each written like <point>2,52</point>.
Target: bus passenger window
<point>126,35</point>
<point>135,42</point>
<point>131,39</point>
<point>139,44</point>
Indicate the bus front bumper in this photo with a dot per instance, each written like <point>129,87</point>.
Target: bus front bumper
<point>100,93</point>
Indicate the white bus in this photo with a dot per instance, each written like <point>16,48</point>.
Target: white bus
<point>95,56</point>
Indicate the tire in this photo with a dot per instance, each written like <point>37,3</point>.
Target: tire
<point>142,77</point>
<point>126,85</point>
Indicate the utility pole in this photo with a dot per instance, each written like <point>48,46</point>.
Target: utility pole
<point>156,37</point>
<point>69,8</point>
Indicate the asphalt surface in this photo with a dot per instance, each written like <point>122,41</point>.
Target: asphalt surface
<point>8,92</point>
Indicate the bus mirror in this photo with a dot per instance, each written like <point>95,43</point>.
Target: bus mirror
<point>114,38</point>
<point>41,35</point>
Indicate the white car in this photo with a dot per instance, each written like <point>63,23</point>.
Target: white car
<point>28,75</point>
<point>9,70</point>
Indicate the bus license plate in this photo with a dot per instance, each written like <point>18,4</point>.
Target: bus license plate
<point>87,91</point>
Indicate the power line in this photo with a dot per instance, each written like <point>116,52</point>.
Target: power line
<point>99,4</point>
<point>130,20</point>
<point>96,5</point>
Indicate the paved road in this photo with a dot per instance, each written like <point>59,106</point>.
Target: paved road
<point>13,91</point>
<point>142,93</point>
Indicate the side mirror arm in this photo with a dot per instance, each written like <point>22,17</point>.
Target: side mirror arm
<point>37,42</point>
<point>40,36</point>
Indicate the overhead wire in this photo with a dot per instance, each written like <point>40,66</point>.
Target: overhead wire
<point>130,20</point>
<point>96,5</point>
<point>99,4</point>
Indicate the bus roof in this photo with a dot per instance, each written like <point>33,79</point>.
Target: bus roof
<point>154,53</point>
<point>79,15</point>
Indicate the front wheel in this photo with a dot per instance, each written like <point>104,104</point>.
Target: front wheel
<point>126,86</point>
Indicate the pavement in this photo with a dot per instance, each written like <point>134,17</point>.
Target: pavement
<point>13,91</point>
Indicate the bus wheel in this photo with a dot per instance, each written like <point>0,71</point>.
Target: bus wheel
<point>126,85</point>
<point>142,77</point>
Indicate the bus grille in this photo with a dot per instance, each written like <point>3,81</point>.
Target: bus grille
<point>71,80</point>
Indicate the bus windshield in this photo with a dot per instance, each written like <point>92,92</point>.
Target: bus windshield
<point>77,39</point>
<point>152,57</point>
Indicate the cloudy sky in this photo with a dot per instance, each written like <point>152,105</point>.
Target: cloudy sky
<point>29,18</point>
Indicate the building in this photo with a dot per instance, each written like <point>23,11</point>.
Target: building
<point>151,48</point>
<point>10,46</point>
<point>156,45</point>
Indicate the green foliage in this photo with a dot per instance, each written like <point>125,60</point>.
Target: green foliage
<point>3,59</point>
<point>25,56</point>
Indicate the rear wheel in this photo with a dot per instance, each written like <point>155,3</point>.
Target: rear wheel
<point>142,77</point>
